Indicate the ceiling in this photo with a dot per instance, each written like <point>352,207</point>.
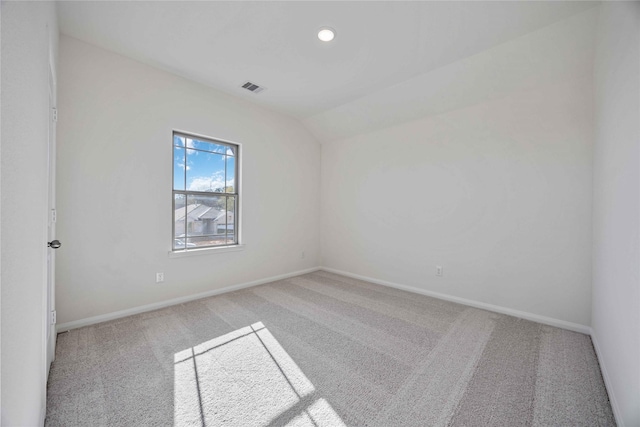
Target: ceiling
<point>378,46</point>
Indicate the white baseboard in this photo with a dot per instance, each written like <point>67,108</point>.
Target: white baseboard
<point>576,327</point>
<point>607,381</point>
<point>150,307</point>
<point>498,309</point>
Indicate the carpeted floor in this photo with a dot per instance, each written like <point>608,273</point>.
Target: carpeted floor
<point>325,350</point>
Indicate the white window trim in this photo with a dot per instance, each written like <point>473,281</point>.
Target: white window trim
<point>239,246</point>
<point>206,251</point>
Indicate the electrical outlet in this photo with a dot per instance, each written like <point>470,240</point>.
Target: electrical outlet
<point>438,270</point>
<point>159,277</point>
<point>302,255</point>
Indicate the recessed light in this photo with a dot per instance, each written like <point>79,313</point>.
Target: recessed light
<point>326,34</point>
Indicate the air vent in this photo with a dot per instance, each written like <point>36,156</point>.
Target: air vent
<point>252,87</point>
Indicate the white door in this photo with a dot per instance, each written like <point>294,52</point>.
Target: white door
<point>50,329</point>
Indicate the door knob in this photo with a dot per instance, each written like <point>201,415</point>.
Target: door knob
<point>54,244</point>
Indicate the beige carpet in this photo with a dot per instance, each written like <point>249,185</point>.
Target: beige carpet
<point>325,350</point>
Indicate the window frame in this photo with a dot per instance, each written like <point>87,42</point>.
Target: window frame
<point>237,191</point>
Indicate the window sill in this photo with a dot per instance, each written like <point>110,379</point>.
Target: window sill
<point>205,251</point>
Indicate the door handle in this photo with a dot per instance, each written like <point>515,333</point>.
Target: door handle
<point>54,244</point>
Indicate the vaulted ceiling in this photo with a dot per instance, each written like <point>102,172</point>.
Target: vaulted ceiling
<point>384,66</point>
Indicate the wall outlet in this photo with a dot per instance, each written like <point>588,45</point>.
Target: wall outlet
<point>438,270</point>
<point>159,277</point>
<point>302,255</point>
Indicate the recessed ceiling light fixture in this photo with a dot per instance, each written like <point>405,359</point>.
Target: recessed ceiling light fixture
<point>326,34</point>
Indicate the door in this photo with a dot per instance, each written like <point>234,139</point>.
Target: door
<point>50,303</point>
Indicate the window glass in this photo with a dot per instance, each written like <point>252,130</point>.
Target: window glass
<point>205,193</point>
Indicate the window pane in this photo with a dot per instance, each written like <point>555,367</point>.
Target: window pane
<point>208,221</point>
<point>179,221</point>
<point>208,240</point>
<point>204,166</point>
<point>207,146</point>
<point>231,175</point>
<point>205,171</point>
<point>231,232</point>
<point>178,168</point>
<point>178,140</point>
<point>231,204</point>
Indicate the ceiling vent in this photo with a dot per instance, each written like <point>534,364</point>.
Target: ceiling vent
<point>252,87</point>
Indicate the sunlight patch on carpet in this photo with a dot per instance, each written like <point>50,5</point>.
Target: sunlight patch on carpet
<point>245,378</point>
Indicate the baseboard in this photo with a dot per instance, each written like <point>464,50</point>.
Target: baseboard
<point>490,307</point>
<point>607,381</point>
<point>155,306</point>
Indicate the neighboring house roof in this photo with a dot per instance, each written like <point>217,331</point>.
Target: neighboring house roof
<point>197,212</point>
<point>222,215</point>
<point>211,214</point>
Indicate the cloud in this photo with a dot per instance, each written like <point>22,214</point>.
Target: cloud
<point>205,184</point>
<point>210,183</point>
<point>180,141</point>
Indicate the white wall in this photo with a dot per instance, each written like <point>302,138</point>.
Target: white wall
<point>27,31</point>
<point>616,208</point>
<point>114,185</point>
<point>498,193</point>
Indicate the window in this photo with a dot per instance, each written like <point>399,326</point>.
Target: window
<point>205,192</point>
